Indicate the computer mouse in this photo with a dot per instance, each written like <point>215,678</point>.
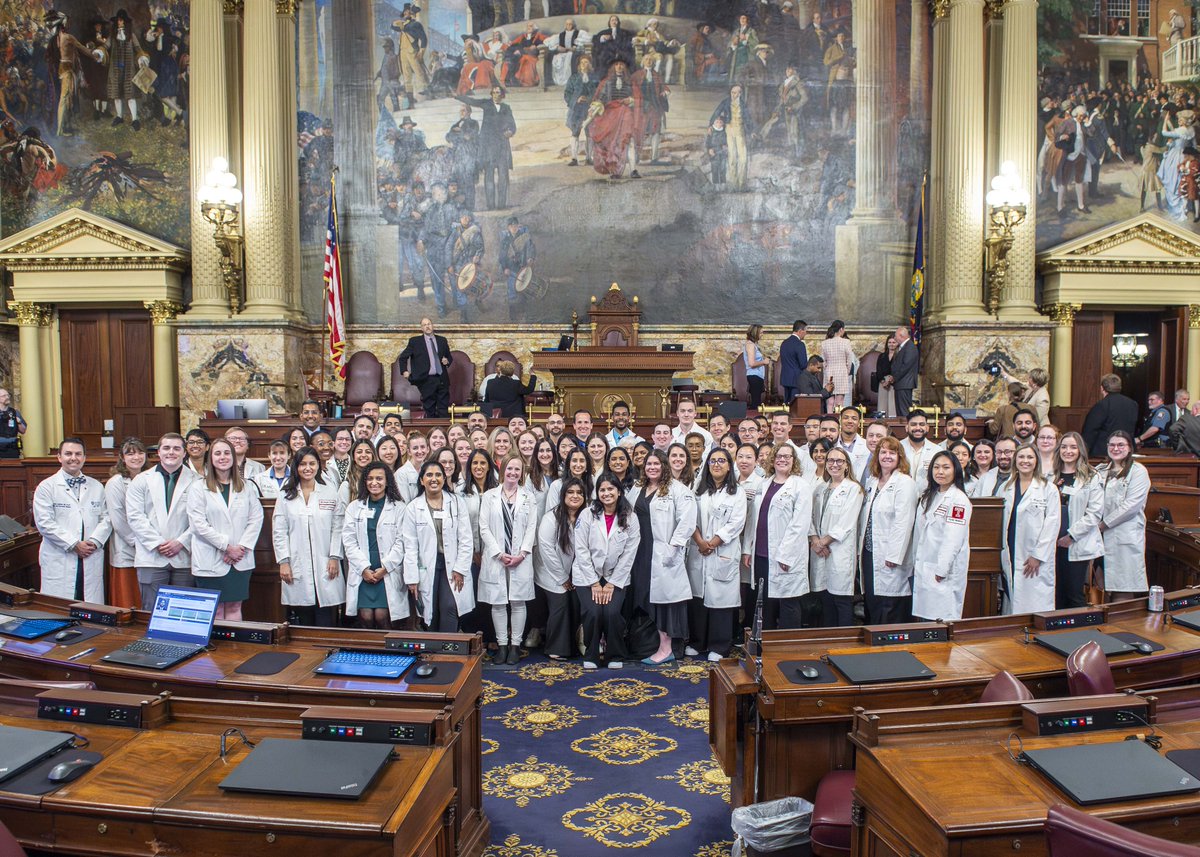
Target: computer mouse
<point>68,634</point>
<point>810,672</point>
<point>1144,647</point>
<point>72,769</point>
<point>426,670</point>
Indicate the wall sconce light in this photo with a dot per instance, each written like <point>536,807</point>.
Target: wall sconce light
<point>1127,352</point>
<point>220,203</point>
<point>1007,202</point>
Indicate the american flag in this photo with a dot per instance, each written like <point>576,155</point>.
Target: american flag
<point>335,315</point>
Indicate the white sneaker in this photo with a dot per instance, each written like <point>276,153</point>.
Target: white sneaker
<point>690,652</point>
<point>713,656</point>
<point>616,665</point>
<point>588,665</point>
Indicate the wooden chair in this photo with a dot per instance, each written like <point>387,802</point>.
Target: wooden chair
<point>404,393</point>
<point>737,378</point>
<point>615,339</point>
<point>364,379</point>
<point>462,378</point>
<point>862,381</point>
<point>774,390</point>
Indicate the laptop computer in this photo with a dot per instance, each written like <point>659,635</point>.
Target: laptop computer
<point>21,749</point>
<point>330,769</point>
<point>1066,642</point>
<point>179,628</point>
<point>365,664</point>
<point>1117,771</point>
<point>30,624</point>
<point>875,667</point>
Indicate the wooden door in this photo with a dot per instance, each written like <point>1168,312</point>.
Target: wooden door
<point>107,363</point>
<point>1172,349</point>
<point>1091,356</point>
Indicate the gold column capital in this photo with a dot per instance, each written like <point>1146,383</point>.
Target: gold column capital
<point>1194,316</point>
<point>1062,315</point>
<point>162,312</point>
<point>993,10</point>
<point>31,314</point>
<point>940,8</point>
<point>232,7</point>
<point>286,7</point>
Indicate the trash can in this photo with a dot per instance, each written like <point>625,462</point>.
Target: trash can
<point>776,828</point>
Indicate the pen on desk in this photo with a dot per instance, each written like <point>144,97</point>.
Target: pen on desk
<point>79,655</point>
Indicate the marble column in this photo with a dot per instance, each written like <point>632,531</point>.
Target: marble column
<point>918,62</point>
<point>285,26</point>
<point>1193,351</point>
<point>268,155</point>
<point>1061,344</point>
<point>1018,143</point>
<point>959,215</point>
<point>232,27</point>
<point>208,139</point>
<point>32,320</point>
<point>165,351</point>
<point>933,239</point>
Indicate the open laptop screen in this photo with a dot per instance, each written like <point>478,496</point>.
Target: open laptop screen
<point>183,615</point>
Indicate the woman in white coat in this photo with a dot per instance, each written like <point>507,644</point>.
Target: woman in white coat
<point>437,551</point>
<point>122,583</point>
<point>1123,524</point>
<point>508,525</point>
<point>307,533</point>
<point>479,477</point>
<point>833,539</point>
<point>1028,536</point>
<point>69,512</point>
<point>226,518</point>
<point>575,464</point>
<point>406,474</point>
<point>1079,539</point>
<point>885,535</point>
<point>716,557</point>
<point>941,543</point>
<point>774,546</point>
<point>659,585</point>
<point>552,569</point>
<point>606,541</point>
<point>374,549</point>
<point>751,478</point>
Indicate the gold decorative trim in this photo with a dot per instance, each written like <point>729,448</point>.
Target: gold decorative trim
<point>626,820</point>
<point>29,314</point>
<point>939,8</point>
<point>51,238</point>
<point>993,10</point>
<point>1194,316</point>
<point>1147,232</point>
<point>162,312</point>
<point>286,7</point>
<point>1062,314</point>
<point>232,7</point>
<point>96,263</point>
<point>1077,265</point>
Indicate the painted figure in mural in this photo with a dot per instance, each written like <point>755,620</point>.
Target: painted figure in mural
<point>520,66</point>
<point>1075,167</point>
<point>652,97</point>
<point>1180,135</point>
<point>814,41</point>
<point>125,57</point>
<point>716,149</point>
<point>612,44</point>
<point>564,48</point>
<point>658,45</point>
<point>495,151</point>
<point>615,123</point>
<point>741,46</point>
<point>165,50</point>
<point>1177,26</point>
<point>463,138</point>
<point>839,85</point>
<point>1148,180</point>
<point>95,75</point>
<point>792,96</point>
<point>739,128</point>
<point>28,163</point>
<point>464,246</point>
<point>413,42</point>
<point>517,252</point>
<point>1096,133</point>
<point>1189,182</point>
<point>390,85</point>
<point>483,14</point>
<point>410,218</point>
<point>407,144</point>
<point>578,95</point>
<point>755,78</point>
<point>706,59</point>
<point>437,223</point>
<point>478,71</point>
<point>63,53</point>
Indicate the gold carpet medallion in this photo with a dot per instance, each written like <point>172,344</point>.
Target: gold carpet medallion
<point>496,692</point>
<point>623,745</point>
<point>541,718</point>
<point>693,671</point>
<point>702,777</point>
<point>489,747</point>
<point>688,715</point>
<point>551,672</point>
<point>528,780</point>
<point>514,847</point>
<point>623,692</point>
<point>712,849</point>
<point>626,820</point>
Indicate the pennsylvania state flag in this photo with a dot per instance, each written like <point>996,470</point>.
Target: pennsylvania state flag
<point>916,295</point>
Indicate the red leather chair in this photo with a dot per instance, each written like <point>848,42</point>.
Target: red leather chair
<point>9,846</point>
<point>1072,833</point>
<point>829,830</point>
<point>737,379</point>
<point>364,379</point>
<point>404,392</point>
<point>1088,672</point>
<point>489,368</point>
<point>462,378</point>
<point>863,394</point>
<point>1005,687</point>
<point>614,339</point>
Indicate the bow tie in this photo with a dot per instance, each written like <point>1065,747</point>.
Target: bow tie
<point>75,481</point>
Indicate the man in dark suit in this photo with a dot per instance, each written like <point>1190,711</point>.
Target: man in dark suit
<point>494,149</point>
<point>428,358</point>
<point>793,359</point>
<point>810,382</point>
<point>1114,412</point>
<point>905,364</point>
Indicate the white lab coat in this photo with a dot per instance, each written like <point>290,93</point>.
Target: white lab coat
<point>1038,516</point>
<point>750,487</point>
<point>672,522</point>
<point>603,554</point>
<point>788,518</point>
<point>250,468</point>
<point>941,547</point>
<point>64,521</point>
<point>268,488</point>
<point>892,510</point>
<point>120,544</point>
<point>153,523</point>
<point>497,584</point>
<point>307,535</point>
<point>1085,505</point>
<point>860,456</point>
<point>421,550</point>
<point>553,567</point>
<point>985,485</point>
<point>554,496</point>
<point>388,534</point>
<point>472,502</point>
<point>835,513</point>
<point>406,481</point>
<point>216,525</point>
<point>918,462</point>
<point>717,577</point>
<point>1125,536</point>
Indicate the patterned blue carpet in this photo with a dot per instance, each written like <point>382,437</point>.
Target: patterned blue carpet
<point>579,763</point>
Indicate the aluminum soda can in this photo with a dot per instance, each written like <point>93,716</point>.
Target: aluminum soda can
<point>1157,597</point>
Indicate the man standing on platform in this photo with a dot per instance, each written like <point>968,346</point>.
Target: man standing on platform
<point>905,364</point>
<point>1114,412</point>
<point>69,512</point>
<point>12,426</point>
<point>428,358</point>
<point>413,41</point>
<point>793,359</point>
<point>495,151</point>
<point>310,418</point>
<point>156,508</point>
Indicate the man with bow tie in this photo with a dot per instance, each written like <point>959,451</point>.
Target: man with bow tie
<point>70,513</point>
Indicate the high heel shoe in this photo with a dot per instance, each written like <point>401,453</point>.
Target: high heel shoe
<point>650,662</point>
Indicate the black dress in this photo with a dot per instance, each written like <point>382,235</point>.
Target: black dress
<point>642,633</point>
<point>1070,576</point>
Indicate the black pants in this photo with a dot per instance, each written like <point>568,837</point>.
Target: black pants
<point>602,620</point>
<point>313,616</point>
<point>562,618</point>
<point>1069,580</point>
<point>903,401</point>
<point>720,629</point>
<point>435,395</point>
<point>881,609</point>
<point>478,620</point>
<point>495,185</point>
<point>837,610</point>
<point>445,608</point>
<point>777,612</point>
<point>756,386</point>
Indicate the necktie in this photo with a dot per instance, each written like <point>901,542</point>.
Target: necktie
<point>171,479</point>
<point>75,483</point>
<point>435,366</point>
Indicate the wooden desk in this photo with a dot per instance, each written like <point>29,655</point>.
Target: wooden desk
<point>596,376</point>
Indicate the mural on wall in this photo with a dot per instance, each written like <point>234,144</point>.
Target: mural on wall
<point>523,154</point>
<point>93,112</point>
<point>1117,115</point>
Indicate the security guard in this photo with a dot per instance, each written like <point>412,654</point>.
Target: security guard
<point>1155,432</point>
<point>12,426</point>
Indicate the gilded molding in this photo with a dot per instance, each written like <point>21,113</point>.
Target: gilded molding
<point>1062,314</point>
<point>939,8</point>
<point>1147,232</point>
<point>96,263</point>
<point>287,7</point>
<point>232,7</point>
<point>45,241</point>
<point>1121,266</point>
<point>162,312</point>
<point>29,314</point>
<point>993,10</point>
<point>1194,316</point>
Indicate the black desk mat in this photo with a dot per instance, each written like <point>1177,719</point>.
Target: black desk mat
<point>267,663</point>
<point>85,633</point>
<point>444,672</point>
<point>34,781</point>
<point>791,671</point>
<point>1134,639</point>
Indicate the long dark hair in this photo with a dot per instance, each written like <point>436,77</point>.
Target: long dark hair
<point>627,481</point>
<point>623,509</point>
<point>292,486</point>
<point>390,491</point>
<point>540,478</point>
<point>588,482</point>
<point>708,486</point>
<point>387,438</point>
<point>973,467</point>
<point>489,482</point>
<point>564,530</point>
<point>427,465</point>
<point>931,490</point>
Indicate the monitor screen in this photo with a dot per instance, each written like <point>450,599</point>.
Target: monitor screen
<point>183,614</point>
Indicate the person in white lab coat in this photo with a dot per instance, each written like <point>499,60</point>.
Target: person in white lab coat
<point>156,508</point>
<point>1028,535</point>
<point>1123,524</point>
<point>885,535</point>
<point>1079,538</point>
<point>69,512</point>
<point>575,464</point>
<point>241,445</point>
<point>751,478</point>
<point>406,476</point>
<point>775,544</point>
<point>918,448</point>
<point>941,543</point>
<point>437,551</point>
<point>833,539</point>
<point>307,534</point>
<point>374,549</point>
<point>981,472</point>
<point>715,557</point>
<point>123,586</point>
<point>226,517</point>
<point>554,561</point>
<point>271,481</point>
<point>606,542</point>
<point>508,525</point>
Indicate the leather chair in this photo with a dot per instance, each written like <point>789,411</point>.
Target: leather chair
<point>9,846</point>
<point>364,379</point>
<point>462,378</point>
<point>1005,687</point>
<point>614,339</point>
<point>404,393</point>
<point>1072,833</point>
<point>775,389</point>
<point>829,830</point>
<point>863,394</point>
<point>1088,672</point>
<point>489,368</point>
<point>737,379</point>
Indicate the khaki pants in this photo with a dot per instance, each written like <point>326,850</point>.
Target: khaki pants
<point>66,94</point>
<point>415,77</point>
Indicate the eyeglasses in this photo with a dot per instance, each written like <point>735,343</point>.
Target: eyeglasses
<point>832,462</point>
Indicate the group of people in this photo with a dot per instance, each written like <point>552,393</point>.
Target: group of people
<point>600,545</point>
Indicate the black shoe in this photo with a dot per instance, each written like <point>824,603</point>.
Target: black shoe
<point>514,655</point>
<point>137,124</point>
<point>118,122</point>
<point>95,115</point>
<point>574,162</point>
<point>635,175</point>
<point>421,295</point>
<point>500,656</point>
<point>164,121</point>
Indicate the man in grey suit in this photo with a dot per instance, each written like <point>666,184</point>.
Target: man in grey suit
<point>904,371</point>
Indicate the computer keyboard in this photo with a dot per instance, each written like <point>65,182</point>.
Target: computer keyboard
<point>31,628</point>
<point>158,650</point>
<point>371,659</point>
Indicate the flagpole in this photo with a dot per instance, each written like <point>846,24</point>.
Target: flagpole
<point>325,280</point>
